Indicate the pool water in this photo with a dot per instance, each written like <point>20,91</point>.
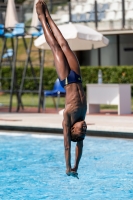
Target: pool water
<point>32,167</point>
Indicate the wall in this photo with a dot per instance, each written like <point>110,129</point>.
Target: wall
<point>126,41</point>
<point>109,55</point>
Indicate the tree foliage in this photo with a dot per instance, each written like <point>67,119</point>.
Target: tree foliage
<point>115,74</point>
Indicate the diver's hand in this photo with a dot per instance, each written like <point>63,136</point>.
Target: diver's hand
<point>68,172</point>
<point>74,169</point>
<point>72,173</point>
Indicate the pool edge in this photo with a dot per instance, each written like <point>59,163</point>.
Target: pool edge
<point>41,130</point>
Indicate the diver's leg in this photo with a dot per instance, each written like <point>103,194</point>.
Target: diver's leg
<point>70,56</point>
<point>61,63</point>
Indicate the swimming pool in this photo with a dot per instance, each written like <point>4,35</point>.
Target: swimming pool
<point>32,167</point>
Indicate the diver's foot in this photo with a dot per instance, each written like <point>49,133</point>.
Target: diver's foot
<point>46,12</point>
<point>40,9</point>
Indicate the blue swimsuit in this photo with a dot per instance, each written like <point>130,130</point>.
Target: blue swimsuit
<point>72,78</point>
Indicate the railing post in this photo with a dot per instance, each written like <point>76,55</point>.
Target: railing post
<point>118,49</point>
<point>69,5</point>
<point>96,24</point>
<point>51,6</point>
<point>99,56</point>
<point>123,13</point>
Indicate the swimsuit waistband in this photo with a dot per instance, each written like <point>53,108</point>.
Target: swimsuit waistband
<point>72,78</point>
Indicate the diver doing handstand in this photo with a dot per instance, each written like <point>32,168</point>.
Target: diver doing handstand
<point>68,71</point>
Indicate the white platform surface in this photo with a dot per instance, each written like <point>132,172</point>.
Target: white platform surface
<point>110,94</point>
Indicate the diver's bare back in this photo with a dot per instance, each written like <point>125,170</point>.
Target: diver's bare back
<point>75,104</point>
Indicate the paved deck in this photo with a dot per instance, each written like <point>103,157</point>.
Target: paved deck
<point>104,124</point>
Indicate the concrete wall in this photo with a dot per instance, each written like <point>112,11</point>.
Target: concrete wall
<point>126,41</point>
<point>109,55</point>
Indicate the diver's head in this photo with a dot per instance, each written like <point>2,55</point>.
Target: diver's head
<point>78,131</point>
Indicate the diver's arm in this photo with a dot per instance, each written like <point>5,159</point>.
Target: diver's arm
<point>67,144</point>
<point>78,154</point>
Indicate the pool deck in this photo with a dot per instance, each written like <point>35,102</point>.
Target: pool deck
<point>103,124</point>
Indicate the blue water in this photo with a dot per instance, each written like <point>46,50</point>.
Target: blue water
<point>32,167</point>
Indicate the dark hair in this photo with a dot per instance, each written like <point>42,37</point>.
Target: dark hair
<point>77,131</point>
<point>75,138</point>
